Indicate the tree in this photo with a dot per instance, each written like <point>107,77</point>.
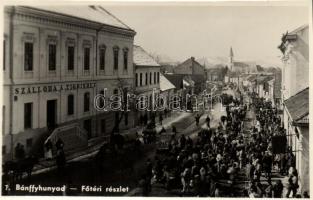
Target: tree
<point>124,88</point>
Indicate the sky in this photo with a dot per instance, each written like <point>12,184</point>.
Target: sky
<point>181,31</point>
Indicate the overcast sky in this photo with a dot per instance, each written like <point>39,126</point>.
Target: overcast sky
<point>179,32</point>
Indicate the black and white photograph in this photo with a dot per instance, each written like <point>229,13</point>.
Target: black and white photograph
<point>156,99</point>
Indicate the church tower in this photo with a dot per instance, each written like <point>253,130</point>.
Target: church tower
<point>231,59</point>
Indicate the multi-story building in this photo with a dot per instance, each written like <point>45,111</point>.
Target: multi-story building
<point>147,78</point>
<point>216,73</point>
<point>57,59</point>
<point>295,95</point>
<point>195,71</point>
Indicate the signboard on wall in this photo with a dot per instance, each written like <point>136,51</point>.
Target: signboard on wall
<point>52,88</point>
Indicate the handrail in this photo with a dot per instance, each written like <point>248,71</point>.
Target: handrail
<point>54,135</point>
<point>82,133</point>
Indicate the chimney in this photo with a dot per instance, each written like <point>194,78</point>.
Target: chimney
<point>193,58</point>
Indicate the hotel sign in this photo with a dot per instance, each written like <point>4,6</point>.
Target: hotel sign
<point>52,88</point>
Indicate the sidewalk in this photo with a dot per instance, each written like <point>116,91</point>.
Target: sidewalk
<point>95,144</point>
<point>275,174</point>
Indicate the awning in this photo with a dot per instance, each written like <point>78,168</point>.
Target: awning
<point>298,106</point>
<point>165,84</point>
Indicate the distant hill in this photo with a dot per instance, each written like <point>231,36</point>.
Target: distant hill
<point>164,59</point>
<point>212,62</point>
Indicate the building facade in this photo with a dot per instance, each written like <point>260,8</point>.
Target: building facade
<point>56,61</point>
<point>196,72</point>
<point>295,98</point>
<point>147,77</point>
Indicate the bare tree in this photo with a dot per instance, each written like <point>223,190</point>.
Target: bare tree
<point>124,88</point>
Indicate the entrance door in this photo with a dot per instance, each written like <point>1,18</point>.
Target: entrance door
<point>51,113</point>
<point>87,127</point>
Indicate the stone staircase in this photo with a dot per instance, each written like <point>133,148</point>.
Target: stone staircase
<point>73,136</point>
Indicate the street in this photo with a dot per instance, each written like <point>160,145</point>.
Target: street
<point>83,172</point>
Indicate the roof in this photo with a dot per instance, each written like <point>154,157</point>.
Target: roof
<point>175,79</point>
<point>188,64</point>
<point>252,77</point>
<point>298,105</point>
<point>263,79</point>
<point>91,13</point>
<point>165,84</point>
<point>295,31</point>
<point>198,78</point>
<point>142,58</point>
<point>216,69</point>
<point>240,64</point>
<point>187,81</point>
<point>277,84</point>
<point>233,74</point>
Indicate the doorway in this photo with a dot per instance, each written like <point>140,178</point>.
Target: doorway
<point>87,127</point>
<point>51,113</point>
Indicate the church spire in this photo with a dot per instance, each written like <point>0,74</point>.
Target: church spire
<point>231,52</point>
<point>231,59</point>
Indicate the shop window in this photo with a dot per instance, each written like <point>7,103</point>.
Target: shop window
<point>4,150</point>
<point>70,104</point>
<point>102,126</point>
<point>28,115</point>
<point>86,102</point>
<point>29,142</point>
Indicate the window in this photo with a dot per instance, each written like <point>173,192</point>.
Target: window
<point>150,78</point>
<point>102,126</point>
<point>3,120</point>
<point>154,77</point>
<point>4,52</point>
<point>146,78</point>
<point>115,55</point>
<point>70,58</point>
<point>29,142</point>
<point>86,58</point>
<point>28,56</point>
<point>102,58</point>
<point>28,115</point>
<point>4,150</point>
<point>126,119</point>
<point>70,104</point>
<point>87,127</point>
<point>86,102</point>
<point>125,58</point>
<point>101,101</point>
<point>158,77</point>
<point>140,79</point>
<point>52,57</point>
<point>136,80</point>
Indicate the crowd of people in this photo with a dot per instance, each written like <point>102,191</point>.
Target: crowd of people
<point>211,164</point>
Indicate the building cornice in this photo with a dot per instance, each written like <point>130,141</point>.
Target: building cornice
<point>145,66</point>
<point>97,80</point>
<point>50,18</point>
